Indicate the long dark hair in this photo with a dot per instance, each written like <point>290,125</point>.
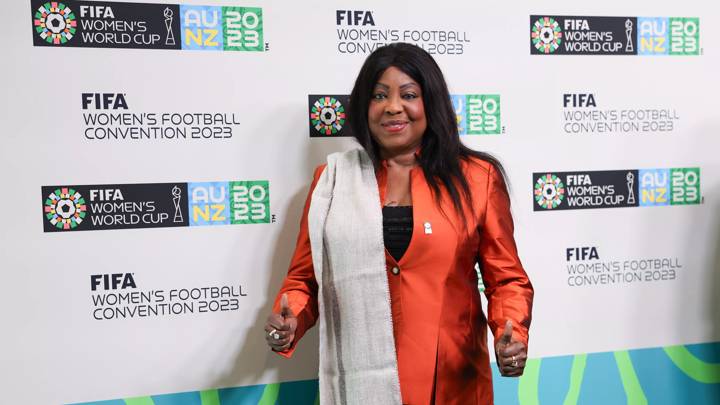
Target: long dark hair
<point>442,150</point>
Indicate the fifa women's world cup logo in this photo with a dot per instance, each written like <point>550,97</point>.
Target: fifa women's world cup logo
<point>546,35</point>
<point>55,22</point>
<point>327,115</point>
<point>549,191</point>
<point>65,208</point>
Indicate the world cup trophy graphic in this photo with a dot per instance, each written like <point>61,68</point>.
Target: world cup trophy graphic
<point>630,181</point>
<point>628,33</point>
<point>170,38</point>
<point>176,192</point>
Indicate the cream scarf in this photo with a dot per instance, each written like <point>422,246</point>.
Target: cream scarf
<point>358,364</point>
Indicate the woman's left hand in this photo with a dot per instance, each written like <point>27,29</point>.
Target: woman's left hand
<point>511,354</point>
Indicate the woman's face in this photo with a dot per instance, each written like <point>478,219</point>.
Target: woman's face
<point>396,115</point>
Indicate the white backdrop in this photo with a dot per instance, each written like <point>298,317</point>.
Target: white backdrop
<point>55,351</point>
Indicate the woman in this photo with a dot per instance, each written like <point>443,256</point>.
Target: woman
<point>388,242</point>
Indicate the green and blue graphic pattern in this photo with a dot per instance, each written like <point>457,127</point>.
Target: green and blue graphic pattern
<point>674,375</point>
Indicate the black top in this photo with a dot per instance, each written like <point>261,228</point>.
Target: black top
<point>397,229</point>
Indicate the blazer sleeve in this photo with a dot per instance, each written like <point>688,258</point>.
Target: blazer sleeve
<point>300,283</point>
<point>507,286</point>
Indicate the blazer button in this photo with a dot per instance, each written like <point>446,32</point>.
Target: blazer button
<point>395,270</point>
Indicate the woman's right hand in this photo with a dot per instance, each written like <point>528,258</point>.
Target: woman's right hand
<point>280,328</point>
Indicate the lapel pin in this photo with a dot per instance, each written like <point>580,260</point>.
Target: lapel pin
<point>428,228</point>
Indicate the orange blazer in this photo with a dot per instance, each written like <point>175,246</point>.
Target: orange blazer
<point>439,327</point>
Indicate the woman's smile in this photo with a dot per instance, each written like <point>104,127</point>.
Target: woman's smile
<point>394,125</point>
<point>396,114</point>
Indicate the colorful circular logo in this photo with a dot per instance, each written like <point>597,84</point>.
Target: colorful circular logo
<point>327,115</point>
<point>546,35</point>
<point>55,22</point>
<point>65,208</point>
<point>549,191</point>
